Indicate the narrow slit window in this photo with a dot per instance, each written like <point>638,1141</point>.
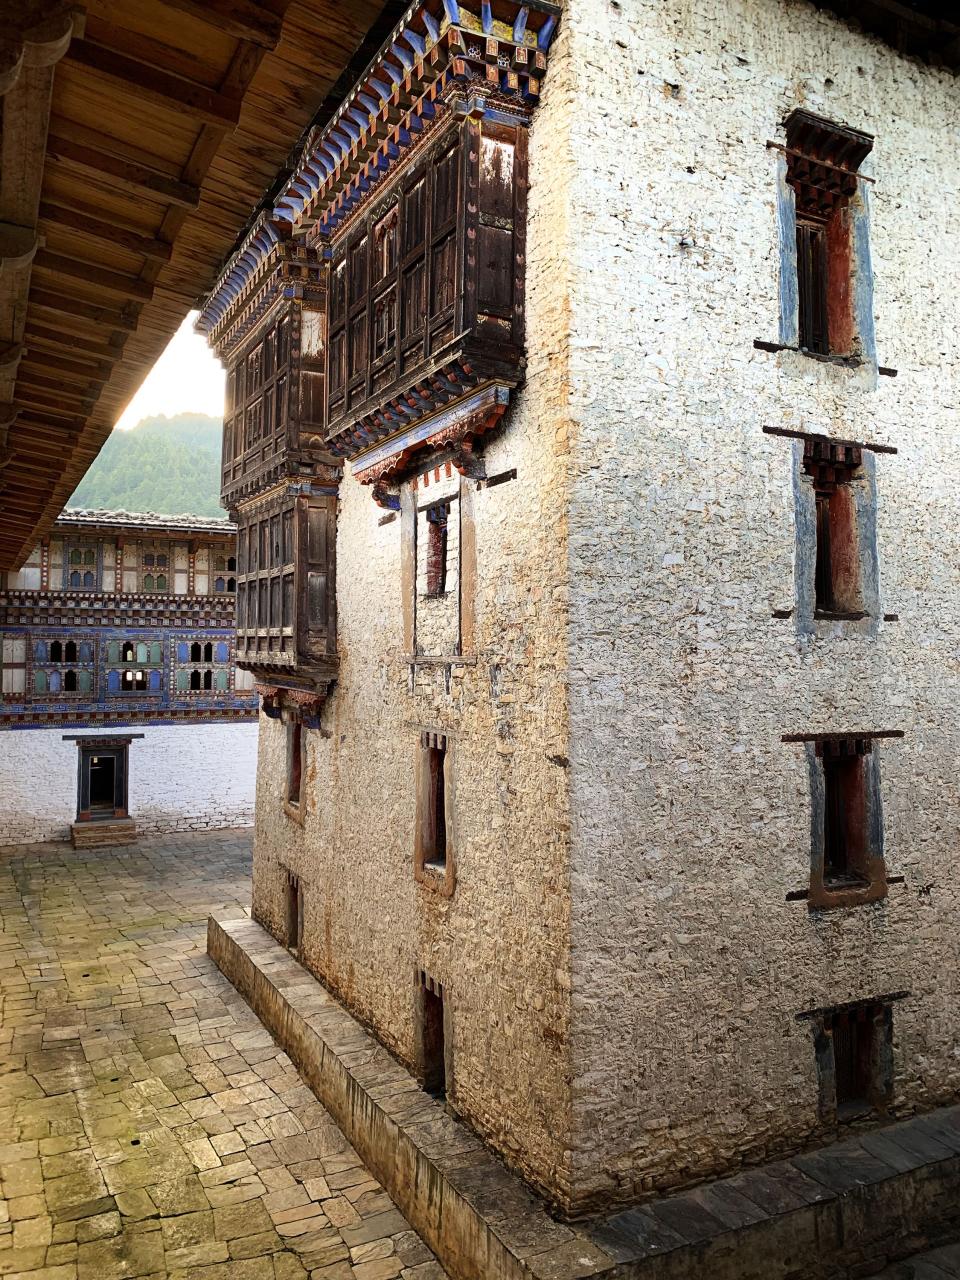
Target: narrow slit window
<point>435,835</point>
<point>834,467</point>
<point>854,1059</point>
<point>437,523</point>
<point>812,285</point>
<point>433,1050</point>
<point>294,761</point>
<point>844,840</point>
<point>823,160</point>
<point>293,906</point>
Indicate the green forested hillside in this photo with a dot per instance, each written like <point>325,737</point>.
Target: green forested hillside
<point>167,465</point>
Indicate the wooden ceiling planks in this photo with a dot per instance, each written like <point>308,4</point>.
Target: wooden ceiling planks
<point>168,120</point>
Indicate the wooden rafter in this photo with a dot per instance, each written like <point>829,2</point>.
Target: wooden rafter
<point>85,222</point>
<point>37,334</point>
<point>125,173</point>
<point>152,85</point>
<point>260,23</point>
<point>79,269</point>
<point>107,317</point>
<point>48,360</point>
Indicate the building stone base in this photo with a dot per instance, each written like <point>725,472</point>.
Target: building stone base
<point>836,1213</point>
<point>92,835</point>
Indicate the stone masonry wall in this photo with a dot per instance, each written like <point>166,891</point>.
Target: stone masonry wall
<point>691,819</point>
<point>499,944</point>
<point>182,778</point>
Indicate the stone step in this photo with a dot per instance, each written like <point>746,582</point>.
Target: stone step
<point>91,835</point>
<point>836,1213</point>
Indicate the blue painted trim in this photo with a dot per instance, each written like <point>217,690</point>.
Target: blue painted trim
<point>789,333</point>
<point>546,34</point>
<point>863,313</point>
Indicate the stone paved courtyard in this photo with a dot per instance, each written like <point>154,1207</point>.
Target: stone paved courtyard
<point>149,1126</point>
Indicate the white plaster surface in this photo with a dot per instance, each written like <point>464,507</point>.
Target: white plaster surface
<point>191,777</point>
<point>623,970</point>
<point>691,819</point>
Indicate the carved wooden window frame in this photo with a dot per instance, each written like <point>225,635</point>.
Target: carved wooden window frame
<point>823,162</point>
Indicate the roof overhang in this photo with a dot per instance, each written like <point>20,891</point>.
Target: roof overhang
<point>134,141</point>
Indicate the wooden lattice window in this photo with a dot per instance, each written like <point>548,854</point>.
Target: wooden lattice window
<point>823,160</point>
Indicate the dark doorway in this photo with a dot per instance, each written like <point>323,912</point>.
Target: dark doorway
<point>101,776</point>
<point>103,770</point>
<point>432,1044</point>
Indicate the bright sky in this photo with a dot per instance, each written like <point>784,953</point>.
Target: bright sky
<point>186,379</point>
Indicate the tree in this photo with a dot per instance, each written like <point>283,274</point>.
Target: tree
<point>170,466</point>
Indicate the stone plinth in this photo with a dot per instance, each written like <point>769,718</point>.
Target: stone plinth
<point>827,1214</point>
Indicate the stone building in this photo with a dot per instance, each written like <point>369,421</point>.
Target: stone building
<point>120,702</point>
<point>590,434</point>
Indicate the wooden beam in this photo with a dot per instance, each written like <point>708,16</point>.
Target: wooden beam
<point>30,418</point>
<point>76,383</point>
<point>33,384</point>
<point>81,347</point>
<point>128,175</point>
<point>97,369</point>
<point>90,273</point>
<point>66,384</point>
<point>82,220</point>
<point>242,19</point>
<point>73,306</point>
<point>159,88</point>
<point>54,404</point>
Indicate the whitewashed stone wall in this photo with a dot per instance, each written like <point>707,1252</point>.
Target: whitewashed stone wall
<point>623,968</point>
<point>499,944</point>
<point>691,818</point>
<point>182,778</point>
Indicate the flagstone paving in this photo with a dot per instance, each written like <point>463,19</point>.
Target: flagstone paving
<point>149,1126</point>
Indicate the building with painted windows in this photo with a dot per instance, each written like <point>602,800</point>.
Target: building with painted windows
<point>590,436</point>
<point>121,702</point>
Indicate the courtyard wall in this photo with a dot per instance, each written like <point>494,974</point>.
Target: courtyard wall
<point>189,777</point>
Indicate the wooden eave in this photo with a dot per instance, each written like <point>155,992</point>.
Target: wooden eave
<point>925,29</point>
<point>136,136</point>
